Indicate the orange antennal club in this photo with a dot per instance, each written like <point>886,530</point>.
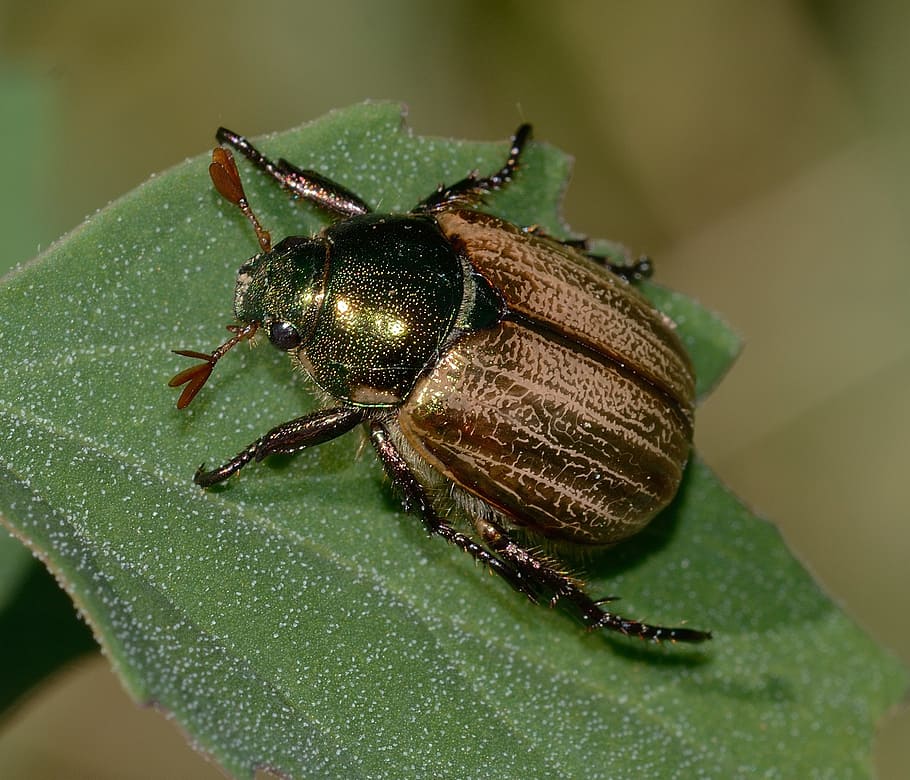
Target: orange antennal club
<point>196,376</point>
<point>226,179</point>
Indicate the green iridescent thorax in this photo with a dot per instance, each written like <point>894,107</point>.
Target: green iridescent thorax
<point>393,292</point>
<point>284,284</point>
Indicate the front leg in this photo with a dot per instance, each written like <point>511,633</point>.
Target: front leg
<point>286,439</point>
<point>308,185</point>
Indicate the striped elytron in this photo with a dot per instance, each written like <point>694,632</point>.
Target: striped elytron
<point>507,381</point>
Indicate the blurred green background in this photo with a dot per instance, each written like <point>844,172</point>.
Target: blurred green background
<point>760,152</point>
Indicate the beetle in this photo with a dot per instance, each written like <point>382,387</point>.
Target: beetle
<point>515,389</point>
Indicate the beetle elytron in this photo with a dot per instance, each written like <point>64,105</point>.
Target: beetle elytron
<point>503,377</point>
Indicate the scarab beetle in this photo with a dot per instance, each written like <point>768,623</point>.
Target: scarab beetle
<point>509,383</point>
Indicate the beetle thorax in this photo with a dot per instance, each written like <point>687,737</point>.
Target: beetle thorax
<point>393,289</point>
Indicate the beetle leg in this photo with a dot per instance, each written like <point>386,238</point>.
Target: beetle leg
<point>309,185</point>
<point>631,271</point>
<point>519,567</point>
<point>628,269</point>
<point>471,189</point>
<point>618,260</point>
<point>543,578</point>
<point>286,439</point>
<point>538,577</point>
<point>416,499</point>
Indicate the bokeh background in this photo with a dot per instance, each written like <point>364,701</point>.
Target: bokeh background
<point>760,152</point>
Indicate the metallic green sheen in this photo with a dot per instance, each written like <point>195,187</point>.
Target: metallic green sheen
<point>393,292</point>
<point>282,284</point>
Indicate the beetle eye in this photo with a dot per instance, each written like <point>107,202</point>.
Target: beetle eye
<point>283,335</point>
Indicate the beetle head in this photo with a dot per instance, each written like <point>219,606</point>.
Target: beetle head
<point>282,290</point>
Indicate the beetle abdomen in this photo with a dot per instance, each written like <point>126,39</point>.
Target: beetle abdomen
<point>549,283</point>
<point>560,439</point>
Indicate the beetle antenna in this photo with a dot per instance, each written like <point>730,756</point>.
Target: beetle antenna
<point>196,376</point>
<point>226,179</point>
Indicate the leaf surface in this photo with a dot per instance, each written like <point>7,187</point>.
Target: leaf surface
<point>296,619</point>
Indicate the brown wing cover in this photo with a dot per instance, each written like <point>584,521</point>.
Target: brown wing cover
<point>547,282</point>
<point>561,440</point>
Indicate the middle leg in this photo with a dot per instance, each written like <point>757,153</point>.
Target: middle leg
<point>471,189</point>
<point>286,439</point>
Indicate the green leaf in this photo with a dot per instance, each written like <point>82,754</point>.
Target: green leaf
<point>295,619</point>
<point>40,630</point>
<point>711,344</point>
